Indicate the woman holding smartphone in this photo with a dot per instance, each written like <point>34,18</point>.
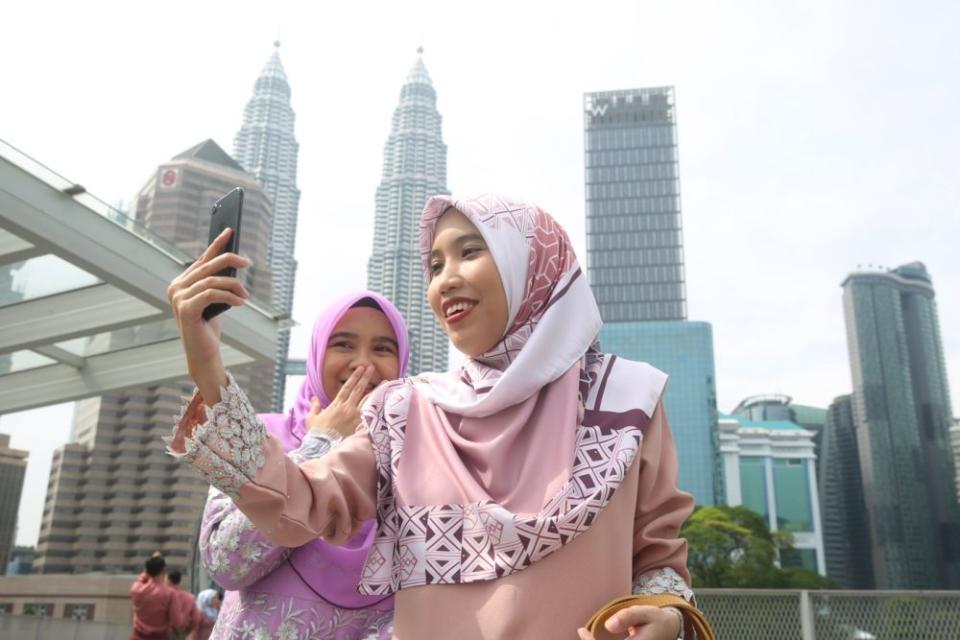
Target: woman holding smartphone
<point>309,591</point>
<point>515,495</point>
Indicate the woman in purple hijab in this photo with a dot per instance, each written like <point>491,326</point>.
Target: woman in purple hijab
<point>310,591</point>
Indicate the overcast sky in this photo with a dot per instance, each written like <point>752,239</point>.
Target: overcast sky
<point>814,136</point>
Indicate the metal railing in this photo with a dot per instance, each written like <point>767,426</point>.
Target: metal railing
<point>760,614</point>
<point>736,614</point>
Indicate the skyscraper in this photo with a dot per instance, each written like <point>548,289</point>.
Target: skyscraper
<point>13,466</point>
<point>634,231</point>
<point>635,266</point>
<point>114,495</point>
<point>266,147</point>
<point>955,440</point>
<point>685,351</point>
<point>901,407</point>
<point>845,532</point>
<point>414,168</point>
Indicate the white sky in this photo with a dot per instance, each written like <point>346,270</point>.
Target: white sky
<point>815,136</point>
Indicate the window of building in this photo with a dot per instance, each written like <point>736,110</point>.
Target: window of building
<point>753,484</point>
<point>40,609</point>
<point>6,608</point>
<point>78,611</point>
<point>792,493</point>
<point>804,558</point>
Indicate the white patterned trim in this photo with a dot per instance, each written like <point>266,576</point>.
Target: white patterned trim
<point>316,445</point>
<point>661,581</point>
<point>227,449</point>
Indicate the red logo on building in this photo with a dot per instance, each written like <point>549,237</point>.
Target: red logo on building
<point>169,178</point>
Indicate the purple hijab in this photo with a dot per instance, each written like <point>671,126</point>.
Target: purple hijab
<point>330,571</point>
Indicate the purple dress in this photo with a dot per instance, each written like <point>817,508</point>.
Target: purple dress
<point>267,597</point>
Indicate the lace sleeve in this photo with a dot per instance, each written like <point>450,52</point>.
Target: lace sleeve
<point>227,448</point>
<point>662,581</point>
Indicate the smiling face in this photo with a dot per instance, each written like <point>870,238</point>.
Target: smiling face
<point>465,290</point>
<point>362,337</point>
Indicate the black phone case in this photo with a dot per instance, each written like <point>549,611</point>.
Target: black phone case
<point>226,212</point>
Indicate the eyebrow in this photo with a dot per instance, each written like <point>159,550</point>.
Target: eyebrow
<point>465,238</point>
<point>353,336</point>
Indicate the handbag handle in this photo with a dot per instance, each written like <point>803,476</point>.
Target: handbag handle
<point>691,614</point>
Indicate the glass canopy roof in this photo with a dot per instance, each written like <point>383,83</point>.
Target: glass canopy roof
<point>83,307</point>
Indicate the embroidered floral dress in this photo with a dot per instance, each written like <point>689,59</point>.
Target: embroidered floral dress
<point>265,597</point>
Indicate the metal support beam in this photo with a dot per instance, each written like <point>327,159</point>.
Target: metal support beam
<point>61,355</point>
<point>112,371</point>
<point>15,249</point>
<point>130,260</point>
<point>80,312</point>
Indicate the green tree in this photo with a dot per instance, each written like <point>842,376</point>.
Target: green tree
<point>734,547</point>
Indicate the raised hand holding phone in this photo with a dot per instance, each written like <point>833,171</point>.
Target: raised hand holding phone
<point>190,293</point>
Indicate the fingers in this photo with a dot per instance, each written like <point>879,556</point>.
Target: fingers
<point>360,389</point>
<point>634,616</point>
<point>213,282</point>
<point>314,407</point>
<point>198,271</point>
<point>584,634</point>
<point>195,305</point>
<point>343,394</point>
<point>215,248</point>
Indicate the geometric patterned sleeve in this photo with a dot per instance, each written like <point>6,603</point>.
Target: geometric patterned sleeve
<point>659,553</point>
<point>231,548</point>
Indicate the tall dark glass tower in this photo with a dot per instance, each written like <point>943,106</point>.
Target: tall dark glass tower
<point>845,532</point>
<point>634,234</point>
<point>414,168</point>
<point>635,267</point>
<point>901,406</point>
<point>266,147</point>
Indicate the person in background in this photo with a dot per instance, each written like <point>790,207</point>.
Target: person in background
<point>272,591</point>
<point>155,608</point>
<point>187,604</point>
<point>208,602</point>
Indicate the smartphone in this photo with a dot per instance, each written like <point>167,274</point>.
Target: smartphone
<point>226,212</point>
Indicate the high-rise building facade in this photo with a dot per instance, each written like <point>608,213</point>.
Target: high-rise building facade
<point>414,168</point>
<point>901,407</point>
<point>13,467</point>
<point>635,266</point>
<point>266,147</point>
<point>634,231</point>
<point>846,535</point>
<point>777,406</point>
<point>769,469</point>
<point>114,495</point>
<point>685,351</point>
<point>955,441</point>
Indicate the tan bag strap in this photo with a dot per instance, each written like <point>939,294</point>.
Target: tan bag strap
<point>690,613</point>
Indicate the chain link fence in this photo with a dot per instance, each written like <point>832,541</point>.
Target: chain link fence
<point>760,614</point>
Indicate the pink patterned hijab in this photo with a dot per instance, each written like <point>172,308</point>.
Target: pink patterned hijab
<point>502,428</point>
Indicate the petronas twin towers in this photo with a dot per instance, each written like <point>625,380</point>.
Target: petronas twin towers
<point>414,168</point>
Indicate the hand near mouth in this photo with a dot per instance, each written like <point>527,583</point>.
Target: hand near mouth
<point>343,414</point>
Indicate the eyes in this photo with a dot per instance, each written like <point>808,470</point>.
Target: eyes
<point>384,348</point>
<point>466,253</point>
